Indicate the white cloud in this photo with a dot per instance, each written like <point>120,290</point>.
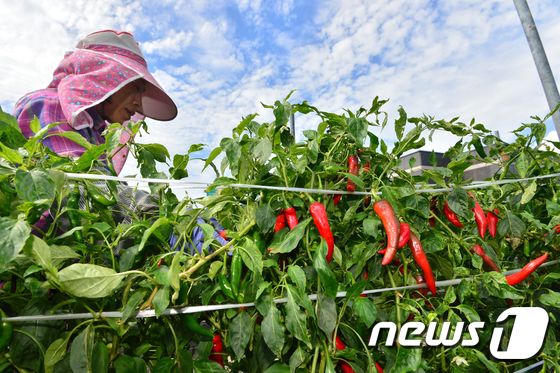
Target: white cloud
<point>169,46</point>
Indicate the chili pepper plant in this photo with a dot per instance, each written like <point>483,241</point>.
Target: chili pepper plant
<point>64,249</point>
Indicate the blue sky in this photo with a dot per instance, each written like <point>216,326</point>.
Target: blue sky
<point>219,59</point>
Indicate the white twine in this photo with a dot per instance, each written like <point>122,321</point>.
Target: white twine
<point>219,307</point>
<point>187,184</point>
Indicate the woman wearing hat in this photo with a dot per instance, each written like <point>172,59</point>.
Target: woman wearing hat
<point>104,80</point>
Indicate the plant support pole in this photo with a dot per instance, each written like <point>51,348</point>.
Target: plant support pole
<point>539,55</point>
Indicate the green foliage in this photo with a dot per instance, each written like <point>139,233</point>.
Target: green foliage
<point>98,262</point>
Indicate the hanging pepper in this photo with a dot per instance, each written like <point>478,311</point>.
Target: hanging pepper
<point>280,222</point>
<point>366,168</point>
<point>291,217</point>
<point>225,286</point>
<point>353,170</point>
<point>192,324</point>
<point>419,281</point>
<point>98,196</point>
<point>385,211</point>
<point>516,278</point>
<point>344,366</point>
<point>479,217</point>
<point>236,269</point>
<point>478,250</point>
<point>217,350</point>
<point>451,216</point>
<point>73,204</point>
<point>6,330</point>
<point>337,198</point>
<point>492,219</point>
<point>404,235</point>
<point>319,214</point>
<point>422,260</point>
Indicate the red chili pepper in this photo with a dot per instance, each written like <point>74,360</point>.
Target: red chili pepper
<point>557,228</point>
<point>451,216</point>
<point>385,211</point>
<point>366,168</point>
<point>217,350</point>
<point>480,218</point>
<point>478,250</point>
<point>516,278</point>
<point>344,366</point>
<point>291,217</point>
<point>422,260</point>
<point>353,170</point>
<point>492,218</point>
<point>337,198</point>
<point>280,222</point>
<point>223,234</point>
<point>378,367</point>
<point>319,214</point>
<point>160,262</point>
<point>404,235</point>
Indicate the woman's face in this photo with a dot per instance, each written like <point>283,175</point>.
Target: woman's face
<point>125,102</point>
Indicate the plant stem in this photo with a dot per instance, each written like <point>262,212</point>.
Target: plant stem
<point>188,273</point>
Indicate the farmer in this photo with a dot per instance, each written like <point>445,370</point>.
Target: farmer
<point>104,80</point>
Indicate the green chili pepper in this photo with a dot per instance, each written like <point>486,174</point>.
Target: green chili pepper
<point>73,215</point>
<point>192,324</point>
<point>236,268</point>
<point>6,330</point>
<point>98,197</point>
<point>225,285</point>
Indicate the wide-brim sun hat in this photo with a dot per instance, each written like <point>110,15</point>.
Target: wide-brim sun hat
<point>122,48</point>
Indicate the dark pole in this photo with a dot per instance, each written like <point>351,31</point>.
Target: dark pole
<point>539,55</point>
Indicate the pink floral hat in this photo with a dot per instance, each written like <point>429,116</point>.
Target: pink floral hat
<point>102,63</point>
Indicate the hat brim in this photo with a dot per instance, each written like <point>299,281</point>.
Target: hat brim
<point>156,104</point>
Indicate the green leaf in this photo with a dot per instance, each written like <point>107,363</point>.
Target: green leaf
<point>273,331</point>
<point>251,256</point>
<point>358,129</point>
<point>42,254</point>
<point>148,232</point>
<point>11,155</point>
<point>89,280</point>
<point>206,366</point>
<point>408,359</point>
<point>161,300</point>
<point>174,269</point>
<point>89,157</point>
<point>492,367</point>
<point>400,123</point>
<point>278,368</point>
<point>55,353</point>
<point>100,358</point>
<point>240,331</point>
<point>551,298</point>
<point>511,225</point>
<point>297,275</point>
<point>522,164</point>
<point>298,357</point>
<point>365,310</point>
<point>291,239</point>
<point>262,150</point>
<point>129,364</point>
<point>158,151</point>
<point>326,314</point>
<point>13,235</point>
<point>296,322</point>
<point>469,312</point>
<point>34,185</point>
<point>328,279</point>
<point>130,308</point>
<point>75,137</point>
<point>370,226</point>
<point>265,217</point>
<point>81,350</point>
<point>529,192</point>
<point>213,154</point>
<point>10,134</point>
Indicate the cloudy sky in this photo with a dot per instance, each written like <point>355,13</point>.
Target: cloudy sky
<point>219,59</point>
